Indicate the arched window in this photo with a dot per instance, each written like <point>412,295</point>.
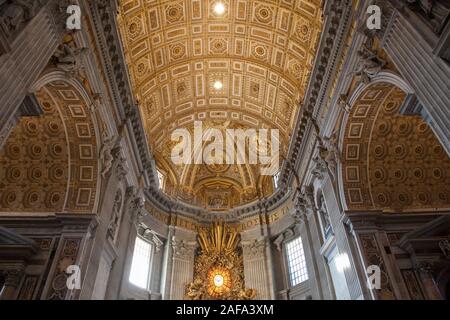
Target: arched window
<point>141,264</point>
<point>296,262</point>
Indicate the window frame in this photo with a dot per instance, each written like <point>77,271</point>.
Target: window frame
<point>150,264</point>
<point>302,256</point>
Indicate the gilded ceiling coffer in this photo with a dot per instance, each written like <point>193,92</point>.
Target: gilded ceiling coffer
<point>219,266</point>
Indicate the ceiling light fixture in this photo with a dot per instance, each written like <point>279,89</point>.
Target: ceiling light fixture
<point>218,85</point>
<point>219,8</point>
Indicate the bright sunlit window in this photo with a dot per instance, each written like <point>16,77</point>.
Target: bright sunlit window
<point>276,180</point>
<point>140,266</point>
<point>296,262</point>
<point>161,179</point>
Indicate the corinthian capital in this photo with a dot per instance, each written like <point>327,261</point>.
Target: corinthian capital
<point>135,205</point>
<point>254,249</point>
<point>303,204</point>
<point>183,249</point>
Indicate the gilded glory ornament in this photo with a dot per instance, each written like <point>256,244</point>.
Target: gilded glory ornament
<point>219,266</point>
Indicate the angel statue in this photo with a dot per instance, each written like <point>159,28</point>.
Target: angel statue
<point>332,145</point>
<point>369,65</point>
<point>70,59</point>
<point>247,294</point>
<point>329,152</point>
<point>195,290</point>
<point>16,12</point>
<point>106,155</point>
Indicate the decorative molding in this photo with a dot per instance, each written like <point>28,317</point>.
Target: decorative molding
<point>150,236</point>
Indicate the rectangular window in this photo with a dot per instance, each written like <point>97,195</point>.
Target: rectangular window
<point>140,266</point>
<point>276,180</point>
<point>296,262</point>
<point>161,179</point>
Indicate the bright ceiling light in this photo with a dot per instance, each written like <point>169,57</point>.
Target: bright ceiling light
<point>218,85</point>
<point>219,8</point>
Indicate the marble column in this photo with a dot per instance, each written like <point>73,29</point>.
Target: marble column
<point>345,243</point>
<point>182,267</point>
<point>427,74</point>
<point>166,273</point>
<point>25,59</point>
<point>255,268</point>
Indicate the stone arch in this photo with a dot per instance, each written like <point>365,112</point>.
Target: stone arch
<point>390,161</point>
<point>385,76</point>
<point>60,148</point>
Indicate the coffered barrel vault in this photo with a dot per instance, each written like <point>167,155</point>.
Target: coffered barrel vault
<point>362,192</point>
<point>232,64</point>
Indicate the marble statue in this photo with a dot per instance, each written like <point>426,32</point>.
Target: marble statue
<point>70,59</point>
<point>369,65</point>
<point>106,155</point>
<point>15,13</point>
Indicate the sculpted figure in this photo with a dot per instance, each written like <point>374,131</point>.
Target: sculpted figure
<point>70,59</point>
<point>435,12</point>
<point>330,159</point>
<point>331,143</point>
<point>115,220</point>
<point>17,12</point>
<point>106,155</point>
<point>323,212</point>
<point>369,64</point>
<point>195,290</point>
<point>247,294</point>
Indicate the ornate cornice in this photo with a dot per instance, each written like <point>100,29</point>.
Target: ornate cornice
<point>104,15</point>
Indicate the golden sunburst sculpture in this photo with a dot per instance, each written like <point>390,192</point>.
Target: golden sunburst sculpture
<point>219,266</point>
